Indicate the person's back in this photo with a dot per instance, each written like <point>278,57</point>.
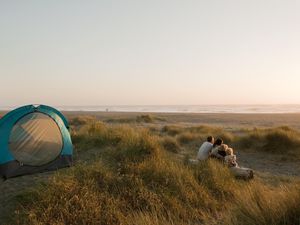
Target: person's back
<point>205,149</point>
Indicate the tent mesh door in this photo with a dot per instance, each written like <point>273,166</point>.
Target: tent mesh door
<point>35,140</point>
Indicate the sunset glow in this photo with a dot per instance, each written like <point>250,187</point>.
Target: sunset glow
<point>149,52</point>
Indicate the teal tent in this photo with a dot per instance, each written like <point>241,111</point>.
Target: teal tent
<point>34,139</point>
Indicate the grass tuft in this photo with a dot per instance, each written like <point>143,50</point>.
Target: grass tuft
<point>81,120</point>
<point>282,140</point>
<point>172,130</point>
<point>171,144</point>
<point>144,118</point>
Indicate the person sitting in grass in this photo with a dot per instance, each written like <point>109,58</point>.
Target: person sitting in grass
<point>236,170</point>
<point>230,158</point>
<point>205,149</point>
<point>219,149</point>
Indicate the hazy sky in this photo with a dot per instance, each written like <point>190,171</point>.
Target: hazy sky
<point>138,52</point>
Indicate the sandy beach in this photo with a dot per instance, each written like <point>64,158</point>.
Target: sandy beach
<point>218,119</point>
<point>225,120</point>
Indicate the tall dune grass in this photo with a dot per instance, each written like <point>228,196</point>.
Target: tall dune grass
<point>135,182</point>
<point>81,120</point>
<point>262,205</point>
<point>282,140</point>
<point>195,135</point>
<point>171,144</point>
<point>144,118</point>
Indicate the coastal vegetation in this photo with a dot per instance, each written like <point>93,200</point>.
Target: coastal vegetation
<point>137,174</point>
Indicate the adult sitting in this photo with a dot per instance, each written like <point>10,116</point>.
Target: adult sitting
<point>205,149</point>
<point>218,150</point>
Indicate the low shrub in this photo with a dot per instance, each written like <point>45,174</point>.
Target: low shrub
<point>171,144</point>
<point>135,147</point>
<point>216,132</point>
<point>81,120</point>
<point>188,138</point>
<point>121,120</point>
<point>172,130</point>
<point>149,119</point>
<point>276,140</point>
<point>145,118</point>
<point>187,135</point>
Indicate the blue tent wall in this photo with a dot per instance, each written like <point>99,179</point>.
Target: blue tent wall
<point>9,166</point>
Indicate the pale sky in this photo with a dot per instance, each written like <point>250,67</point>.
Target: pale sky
<point>158,52</point>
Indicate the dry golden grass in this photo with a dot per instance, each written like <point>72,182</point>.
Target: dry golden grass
<point>134,181</point>
<point>194,133</point>
<point>282,140</point>
<point>172,130</point>
<point>144,118</point>
<point>170,144</point>
<point>81,120</point>
<point>258,204</point>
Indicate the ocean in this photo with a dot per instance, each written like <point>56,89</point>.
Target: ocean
<point>190,108</point>
<point>184,108</point>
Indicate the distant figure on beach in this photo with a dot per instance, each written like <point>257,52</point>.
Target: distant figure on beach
<point>205,149</point>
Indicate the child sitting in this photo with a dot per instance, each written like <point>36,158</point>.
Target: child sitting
<point>230,158</point>
<point>237,171</point>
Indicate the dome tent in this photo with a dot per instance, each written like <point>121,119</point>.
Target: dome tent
<point>34,139</point>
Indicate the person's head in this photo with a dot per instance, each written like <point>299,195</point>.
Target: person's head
<point>223,148</point>
<point>210,139</point>
<point>218,142</point>
<point>229,151</point>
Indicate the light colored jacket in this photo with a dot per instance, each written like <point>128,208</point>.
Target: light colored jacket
<point>204,151</point>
